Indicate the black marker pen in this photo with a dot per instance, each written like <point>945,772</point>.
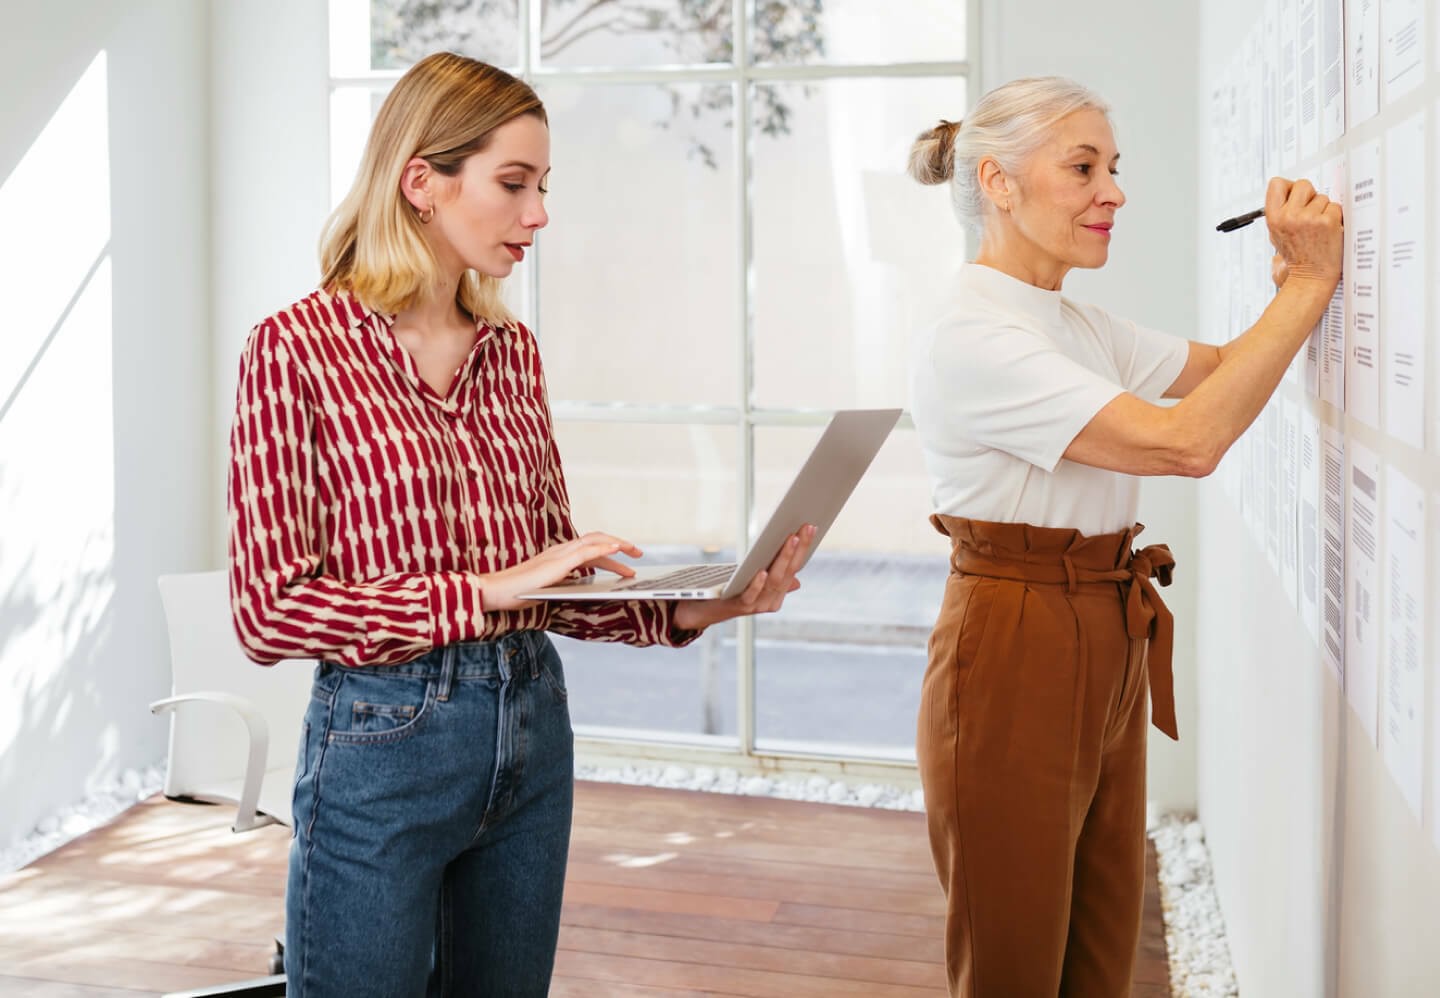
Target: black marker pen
<point>1239,221</point>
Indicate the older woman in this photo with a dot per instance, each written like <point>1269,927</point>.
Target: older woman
<point>1036,413</point>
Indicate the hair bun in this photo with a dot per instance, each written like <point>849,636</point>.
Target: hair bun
<point>932,157</point>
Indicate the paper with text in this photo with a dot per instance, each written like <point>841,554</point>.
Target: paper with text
<point>1362,588</point>
<point>1362,58</point>
<point>1402,704</point>
<point>1362,283</point>
<point>1402,287</point>
<point>1332,563</point>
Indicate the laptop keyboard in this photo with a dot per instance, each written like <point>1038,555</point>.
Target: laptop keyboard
<point>689,577</point>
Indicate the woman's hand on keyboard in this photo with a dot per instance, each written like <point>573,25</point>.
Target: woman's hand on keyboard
<point>553,565</point>
<point>765,594</point>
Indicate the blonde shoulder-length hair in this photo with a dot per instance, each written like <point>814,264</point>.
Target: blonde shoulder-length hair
<point>446,107</point>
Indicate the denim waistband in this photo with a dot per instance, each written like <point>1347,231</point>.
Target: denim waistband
<point>519,651</point>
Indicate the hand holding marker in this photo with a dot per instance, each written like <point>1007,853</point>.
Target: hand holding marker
<point>1240,221</point>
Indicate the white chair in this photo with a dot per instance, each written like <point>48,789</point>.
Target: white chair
<point>234,725</point>
<point>212,758</point>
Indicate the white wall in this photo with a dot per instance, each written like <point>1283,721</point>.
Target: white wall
<point>104,381</point>
<point>269,156</point>
<point>1138,57</point>
<point>1328,882</point>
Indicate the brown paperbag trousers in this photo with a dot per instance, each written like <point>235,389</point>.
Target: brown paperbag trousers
<point>1031,743</point>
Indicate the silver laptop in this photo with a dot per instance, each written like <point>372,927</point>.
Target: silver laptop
<point>821,488</point>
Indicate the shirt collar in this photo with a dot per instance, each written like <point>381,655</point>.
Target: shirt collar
<point>1008,292</point>
<point>355,313</point>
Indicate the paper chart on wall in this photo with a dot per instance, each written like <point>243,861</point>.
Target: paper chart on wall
<point>1434,359</point>
<point>1267,34</point>
<point>1402,60</point>
<point>1435,681</point>
<point>1252,486</point>
<point>1332,70</point>
<point>1307,47</point>
<point>1332,540</point>
<point>1289,470</point>
<point>1403,678</point>
<point>1306,365</point>
<point>1332,326</point>
<point>1289,89</point>
<point>1362,58</point>
<point>1362,588</point>
<point>1362,282</point>
<point>1270,467</point>
<point>1308,522</point>
<point>1254,112</point>
<point>1402,288</point>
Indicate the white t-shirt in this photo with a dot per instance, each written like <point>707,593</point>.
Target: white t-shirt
<point>1002,384</point>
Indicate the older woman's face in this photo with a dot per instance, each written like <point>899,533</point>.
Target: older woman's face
<point>1066,194</point>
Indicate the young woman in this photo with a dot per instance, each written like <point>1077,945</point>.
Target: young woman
<point>1036,413</point>
<point>394,484</point>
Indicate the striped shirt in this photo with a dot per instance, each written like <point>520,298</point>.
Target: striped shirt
<point>364,507</point>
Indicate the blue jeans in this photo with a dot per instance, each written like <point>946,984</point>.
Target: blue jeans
<point>432,823</point>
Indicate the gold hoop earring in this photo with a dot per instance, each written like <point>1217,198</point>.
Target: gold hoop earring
<point>427,215</point>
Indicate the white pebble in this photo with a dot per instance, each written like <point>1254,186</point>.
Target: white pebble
<point>756,786</point>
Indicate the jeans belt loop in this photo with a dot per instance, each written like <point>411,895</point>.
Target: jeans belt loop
<point>447,672</point>
<point>1071,582</point>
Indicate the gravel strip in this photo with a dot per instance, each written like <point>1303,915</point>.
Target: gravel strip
<point>101,805</point>
<point>815,789</point>
<point>1194,928</point>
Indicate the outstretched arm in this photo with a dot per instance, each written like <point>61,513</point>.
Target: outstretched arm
<point>1225,390</point>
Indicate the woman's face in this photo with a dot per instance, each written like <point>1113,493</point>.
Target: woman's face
<point>486,216</point>
<point>1063,203</point>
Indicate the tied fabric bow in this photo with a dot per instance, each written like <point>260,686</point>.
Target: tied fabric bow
<point>1147,616</point>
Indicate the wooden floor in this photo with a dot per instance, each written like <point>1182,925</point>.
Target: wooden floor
<point>669,893</point>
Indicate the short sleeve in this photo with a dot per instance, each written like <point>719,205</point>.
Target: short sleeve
<point>1148,360</point>
<point>1004,387</point>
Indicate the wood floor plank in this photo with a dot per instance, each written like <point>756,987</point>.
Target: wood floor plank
<point>799,938</point>
<point>666,877</point>
<point>670,894</point>
<point>613,969</point>
<point>838,966</point>
<point>906,879</point>
<point>29,987</point>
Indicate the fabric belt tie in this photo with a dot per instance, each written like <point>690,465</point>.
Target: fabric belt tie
<point>1146,615</point>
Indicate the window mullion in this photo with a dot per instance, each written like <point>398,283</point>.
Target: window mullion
<point>745,631</point>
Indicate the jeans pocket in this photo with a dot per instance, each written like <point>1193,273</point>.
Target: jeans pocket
<point>372,709</point>
<point>553,672</point>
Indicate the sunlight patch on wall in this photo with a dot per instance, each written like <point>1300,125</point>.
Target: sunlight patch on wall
<point>57,491</point>
<point>55,220</point>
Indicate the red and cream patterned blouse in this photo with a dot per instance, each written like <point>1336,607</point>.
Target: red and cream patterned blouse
<point>364,507</point>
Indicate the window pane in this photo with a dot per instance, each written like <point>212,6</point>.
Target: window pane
<point>639,295</point>
<point>849,253</point>
<point>839,668</point>
<point>852,32</point>
<point>631,33</point>
<point>659,486</point>
<point>404,31</point>
<point>672,490</point>
<point>656,692</point>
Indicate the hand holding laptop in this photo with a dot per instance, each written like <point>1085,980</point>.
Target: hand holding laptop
<point>765,593</point>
